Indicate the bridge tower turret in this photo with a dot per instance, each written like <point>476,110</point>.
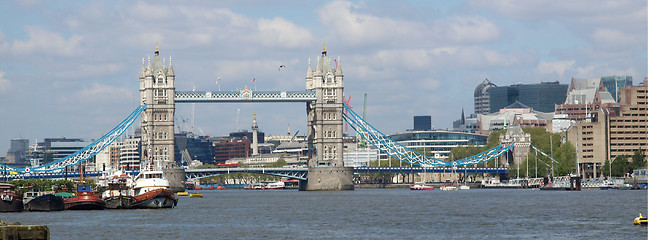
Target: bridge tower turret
<point>157,90</point>
<point>326,169</point>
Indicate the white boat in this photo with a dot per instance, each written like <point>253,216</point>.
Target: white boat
<point>266,185</point>
<point>151,190</point>
<point>464,187</point>
<point>421,186</point>
<point>448,188</point>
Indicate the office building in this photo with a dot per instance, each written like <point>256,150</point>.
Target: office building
<point>614,85</point>
<point>541,97</point>
<point>482,97</point>
<point>612,134</point>
<point>422,123</point>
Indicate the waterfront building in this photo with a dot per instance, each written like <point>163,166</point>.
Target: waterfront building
<point>482,97</point>
<point>611,134</point>
<point>190,147</point>
<point>225,150</point>
<point>358,158</point>
<point>422,123</point>
<point>108,159</point>
<point>436,143</point>
<point>129,158</point>
<point>614,85</point>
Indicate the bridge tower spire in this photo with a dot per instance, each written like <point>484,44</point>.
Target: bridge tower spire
<point>157,90</point>
<point>326,169</point>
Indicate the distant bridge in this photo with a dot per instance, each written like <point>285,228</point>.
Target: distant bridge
<point>300,173</point>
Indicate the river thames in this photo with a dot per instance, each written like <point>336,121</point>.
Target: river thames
<point>364,214</point>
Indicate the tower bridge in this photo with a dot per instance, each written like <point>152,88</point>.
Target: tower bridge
<point>325,109</point>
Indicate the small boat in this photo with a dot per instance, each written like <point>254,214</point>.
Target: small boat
<point>448,188</point>
<point>10,201</point>
<point>151,190</point>
<point>85,199</point>
<point>266,185</point>
<point>641,220</point>
<point>183,194</point>
<point>421,186</point>
<point>608,185</point>
<point>39,200</point>
<point>464,187</point>
<point>118,195</point>
<point>199,195</point>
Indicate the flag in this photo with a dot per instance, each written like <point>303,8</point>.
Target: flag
<point>253,79</point>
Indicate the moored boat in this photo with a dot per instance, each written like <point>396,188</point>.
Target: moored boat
<point>151,190</point>
<point>85,199</point>
<point>448,188</point>
<point>421,186</point>
<point>118,195</point>
<point>38,200</point>
<point>198,195</point>
<point>266,185</point>
<point>183,194</point>
<point>10,201</point>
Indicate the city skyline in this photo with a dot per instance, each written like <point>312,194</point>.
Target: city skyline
<point>71,68</point>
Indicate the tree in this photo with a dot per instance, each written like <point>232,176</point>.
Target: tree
<point>638,160</point>
<point>620,166</point>
<point>279,163</point>
<point>566,159</point>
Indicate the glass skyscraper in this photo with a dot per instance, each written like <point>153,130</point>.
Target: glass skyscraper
<point>614,84</point>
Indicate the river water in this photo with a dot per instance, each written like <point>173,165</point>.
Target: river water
<point>364,214</point>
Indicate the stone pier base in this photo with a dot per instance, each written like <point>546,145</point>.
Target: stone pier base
<point>176,177</point>
<point>328,179</point>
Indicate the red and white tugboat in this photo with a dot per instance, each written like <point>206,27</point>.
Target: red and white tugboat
<point>151,190</point>
<point>85,199</point>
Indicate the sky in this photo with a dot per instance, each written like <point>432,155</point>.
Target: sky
<point>71,68</point>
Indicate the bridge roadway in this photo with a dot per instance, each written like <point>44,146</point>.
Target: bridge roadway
<point>300,173</point>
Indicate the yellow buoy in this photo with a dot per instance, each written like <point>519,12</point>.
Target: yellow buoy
<point>641,220</point>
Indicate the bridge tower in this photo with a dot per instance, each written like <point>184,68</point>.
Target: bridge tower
<point>157,91</point>
<point>326,169</point>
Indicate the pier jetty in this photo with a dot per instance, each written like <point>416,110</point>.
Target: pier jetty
<point>19,231</point>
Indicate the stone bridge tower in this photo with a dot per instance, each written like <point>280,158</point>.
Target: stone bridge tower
<point>326,169</point>
<point>157,90</point>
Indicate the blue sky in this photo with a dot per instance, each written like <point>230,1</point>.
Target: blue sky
<point>71,68</point>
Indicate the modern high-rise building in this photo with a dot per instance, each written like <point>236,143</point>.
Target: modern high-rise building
<point>17,153</point>
<point>614,84</point>
<point>422,123</point>
<point>482,97</point>
<point>541,97</point>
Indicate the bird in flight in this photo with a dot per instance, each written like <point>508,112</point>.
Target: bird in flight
<point>282,66</point>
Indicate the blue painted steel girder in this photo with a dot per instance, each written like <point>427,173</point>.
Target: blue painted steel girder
<point>244,96</point>
<point>430,170</point>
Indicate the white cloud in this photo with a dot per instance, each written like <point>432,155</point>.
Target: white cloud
<point>344,22</point>
<point>44,42</point>
<point>4,83</point>
<point>278,32</point>
<point>557,67</point>
<point>470,29</point>
<point>101,92</point>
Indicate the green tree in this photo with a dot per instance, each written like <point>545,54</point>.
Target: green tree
<point>620,166</point>
<point>566,159</point>
<point>638,160</point>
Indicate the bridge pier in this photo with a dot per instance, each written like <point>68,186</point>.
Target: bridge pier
<point>328,179</point>
<point>176,177</point>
